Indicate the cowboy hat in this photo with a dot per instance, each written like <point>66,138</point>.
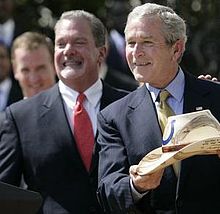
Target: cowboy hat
<point>185,135</point>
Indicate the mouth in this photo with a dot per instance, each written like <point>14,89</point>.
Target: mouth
<point>139,64</point>
<point>36,87</point>
<point>74,62</point>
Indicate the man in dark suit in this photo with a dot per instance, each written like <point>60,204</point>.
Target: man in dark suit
<point>129,128</point>
<point>116,79</point>
<point>118,72</point>
<point>38,136</point>
<point>10,91</point>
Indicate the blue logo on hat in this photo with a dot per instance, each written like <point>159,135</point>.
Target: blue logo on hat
<point>165,142</point>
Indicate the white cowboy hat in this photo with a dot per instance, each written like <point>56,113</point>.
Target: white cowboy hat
<point>185,135</point>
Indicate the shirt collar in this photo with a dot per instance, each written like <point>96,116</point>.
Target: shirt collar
<point>175,87</point>
<point>93,94</point>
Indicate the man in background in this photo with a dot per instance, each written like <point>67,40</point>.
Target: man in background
<point>10,91</point>
<point>116,71</point>
<point>32,61</point>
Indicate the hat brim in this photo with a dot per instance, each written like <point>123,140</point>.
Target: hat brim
<point>157,159</point>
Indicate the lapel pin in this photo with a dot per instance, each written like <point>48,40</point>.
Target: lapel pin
<point>199,108</point>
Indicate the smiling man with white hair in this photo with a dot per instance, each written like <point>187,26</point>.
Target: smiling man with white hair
<point>155,42</point>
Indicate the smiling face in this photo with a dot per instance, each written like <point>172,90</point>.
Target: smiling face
<point>34,70</point>
<point>77,59</point>
<point>149,57</point>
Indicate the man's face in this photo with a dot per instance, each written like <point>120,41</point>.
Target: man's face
<point>4,63</point>
<point>34,70</point>
<point>149,57</point>
<point>77,59</point>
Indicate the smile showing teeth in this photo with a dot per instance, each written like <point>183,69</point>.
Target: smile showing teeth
<point>72,62</point>
<point>141,64</point>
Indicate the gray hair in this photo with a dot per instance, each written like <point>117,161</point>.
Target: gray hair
<point>97,27</point>
<point>174,27</point>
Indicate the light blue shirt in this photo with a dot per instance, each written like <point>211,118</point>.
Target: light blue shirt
<point>176,89</point>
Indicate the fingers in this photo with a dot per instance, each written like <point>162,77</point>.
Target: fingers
<point>133,170</point>
<point>207,77</point>
<point>145,182</point>
<point>214,79</point>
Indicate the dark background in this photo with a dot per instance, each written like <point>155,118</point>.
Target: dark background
<point>202,17</point>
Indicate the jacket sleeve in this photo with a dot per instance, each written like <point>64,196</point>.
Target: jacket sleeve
<point>114,190</point>
<point>10,151</point>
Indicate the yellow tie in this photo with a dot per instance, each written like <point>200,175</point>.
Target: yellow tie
<point>164,111</point>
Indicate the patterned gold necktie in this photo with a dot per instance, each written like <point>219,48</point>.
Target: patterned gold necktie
<point>164,111</point>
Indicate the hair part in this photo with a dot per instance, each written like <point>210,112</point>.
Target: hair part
<point>97,27</point>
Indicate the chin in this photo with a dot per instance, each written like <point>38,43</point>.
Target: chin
<point>67,73</point>
<point>138,77</point>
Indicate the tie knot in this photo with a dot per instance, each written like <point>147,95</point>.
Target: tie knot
<point>164,94</point>
<point>81,98</point>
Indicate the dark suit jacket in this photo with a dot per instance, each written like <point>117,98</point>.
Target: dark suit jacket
<point>129,129</point>
<point>120,80</point>
<point>115,61</point>
<point>15,93</point>
<point>38,142</point>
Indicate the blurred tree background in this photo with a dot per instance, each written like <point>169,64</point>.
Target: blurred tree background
<point>202,17</point>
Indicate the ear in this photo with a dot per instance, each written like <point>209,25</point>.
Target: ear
<point>102,55</point>
<point>14,70</point>
<point>178,50</point>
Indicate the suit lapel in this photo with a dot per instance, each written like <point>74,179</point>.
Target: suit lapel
<point>53,111</point>
<point>143,114</point>
<point>109,95</point>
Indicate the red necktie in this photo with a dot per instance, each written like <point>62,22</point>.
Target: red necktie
<point>83,132</point>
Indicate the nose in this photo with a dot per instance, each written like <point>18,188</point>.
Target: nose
<point>69,49</point>
<point>138,50</point>
<point>34,77</point>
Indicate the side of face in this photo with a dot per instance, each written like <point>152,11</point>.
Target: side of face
<point>149,57</point>
<point>5,65</point>
<point>77,59</point>
<point>34,70</point>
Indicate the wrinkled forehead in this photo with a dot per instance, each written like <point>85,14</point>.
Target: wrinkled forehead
<point>74,26</point>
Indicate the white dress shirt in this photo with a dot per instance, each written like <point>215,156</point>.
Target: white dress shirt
<point>91,104</point>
